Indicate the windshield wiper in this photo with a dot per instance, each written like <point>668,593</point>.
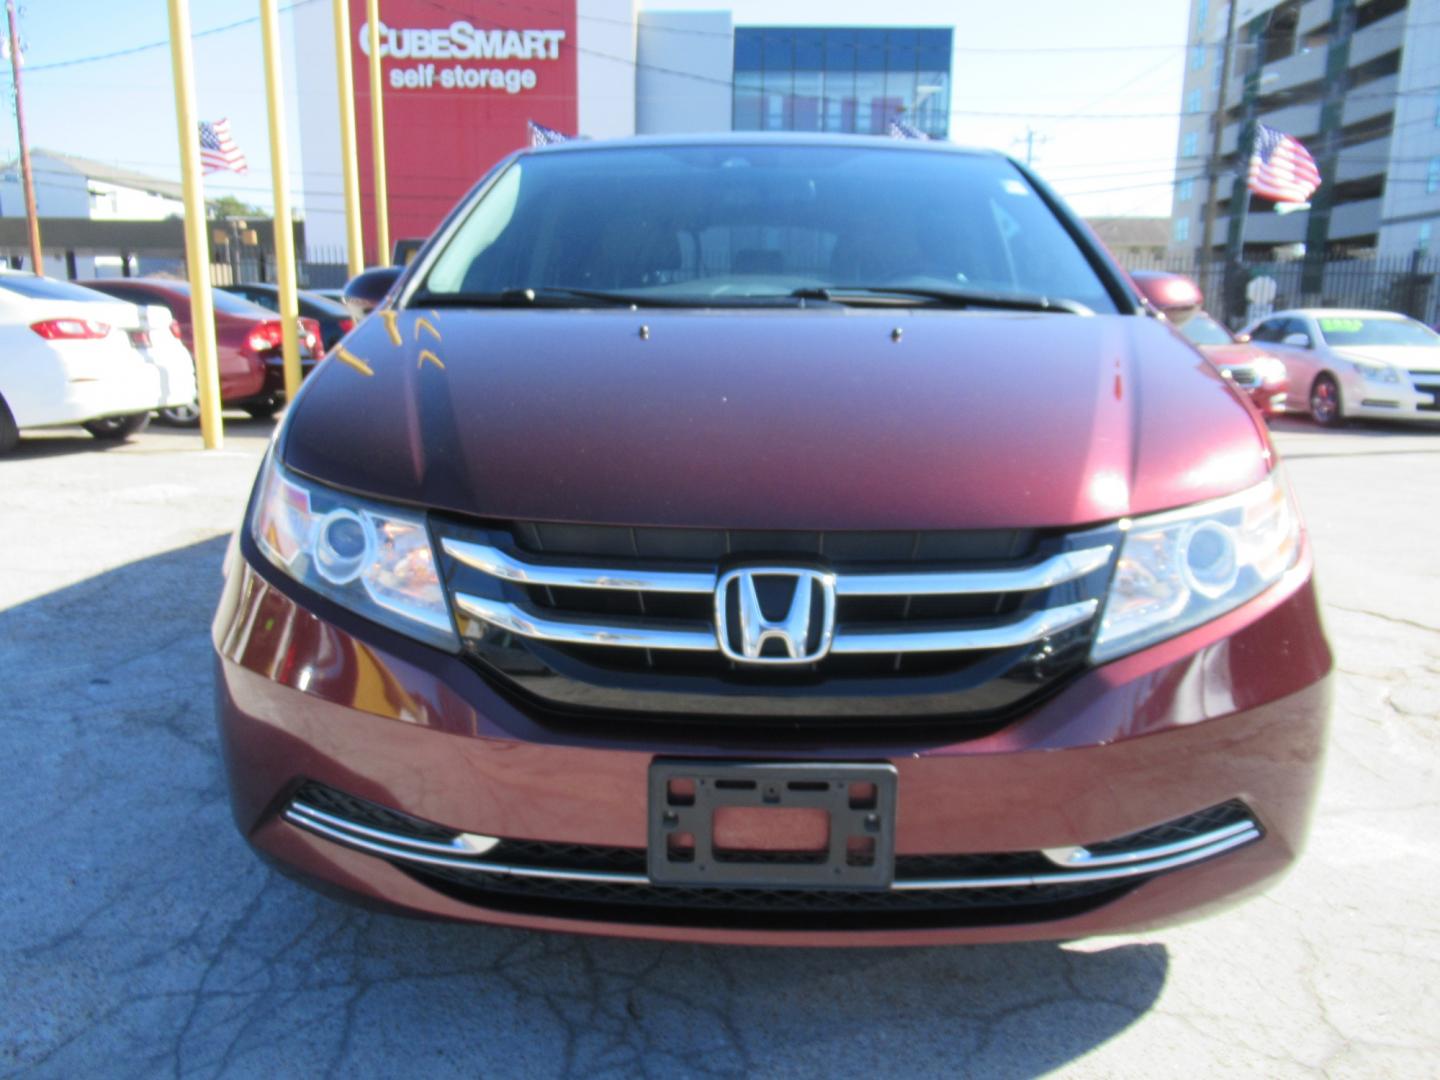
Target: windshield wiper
<point>555,296</point>
<point>544,296</point>
<point>961,298</point>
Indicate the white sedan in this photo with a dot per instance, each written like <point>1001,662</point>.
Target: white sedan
<point>70,355</point>
<point>1347,363</point>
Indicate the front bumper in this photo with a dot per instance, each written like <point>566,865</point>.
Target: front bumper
<point>1415,399</point>
<point>1235,710</point>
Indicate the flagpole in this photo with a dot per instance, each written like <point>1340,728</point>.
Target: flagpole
<point>284,227</point>
<point>37,256</point>
<point>197,244</point>
<point>350,166</point>
<point>377,136</point>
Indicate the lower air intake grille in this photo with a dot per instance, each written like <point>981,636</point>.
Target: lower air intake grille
<point>583,881</point>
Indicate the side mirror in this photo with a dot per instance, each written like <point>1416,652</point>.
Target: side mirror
<point>365,292</point>
<point>1300,341</point>
<point>1243,339</point>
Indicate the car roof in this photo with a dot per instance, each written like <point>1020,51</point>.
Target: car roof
<point>766,138</point>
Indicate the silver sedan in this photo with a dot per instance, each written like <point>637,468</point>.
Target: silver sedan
<point>1347,363</point>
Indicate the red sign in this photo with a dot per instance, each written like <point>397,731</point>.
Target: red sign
<point>461,79</point>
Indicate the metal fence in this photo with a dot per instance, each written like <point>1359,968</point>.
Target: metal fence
<point>321,268</point>
<point>1409,284</point>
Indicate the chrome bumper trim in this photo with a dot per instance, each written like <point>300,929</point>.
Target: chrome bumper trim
<point>1056,570</point>
<point>403,849</point>
<point>697,637</point>
<point>408,850</point>
<point>1080,858</point>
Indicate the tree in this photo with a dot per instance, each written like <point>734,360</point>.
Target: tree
<point>227,206</point>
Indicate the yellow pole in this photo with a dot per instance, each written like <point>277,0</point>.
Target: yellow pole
<point>197,244</point>
<point>377,136</point>
<point>279,178</point>
<point>350,165</point>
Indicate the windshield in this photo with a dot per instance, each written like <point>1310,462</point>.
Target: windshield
<point>728,224</point>
<point>1343,331</point>
<point>1201,329</point>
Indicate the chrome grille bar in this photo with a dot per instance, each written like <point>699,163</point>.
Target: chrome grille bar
<point>1008,635</point>
<point>695,637</point>
<point>626,633</point>
<point>1056,570</point>
<point>498,564</point>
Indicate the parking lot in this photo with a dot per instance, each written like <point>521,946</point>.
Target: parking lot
<point>139,936</point>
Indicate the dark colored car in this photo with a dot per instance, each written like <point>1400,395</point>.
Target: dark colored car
<point>795,540</point>
<point>330,314</point>
<point>1260,374</point>
<point>247,339</point>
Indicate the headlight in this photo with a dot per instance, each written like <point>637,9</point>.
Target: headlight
<point>373,559</point>
<point>1185,567</point>
<point>1269,369</point>
<point>1380,373</point>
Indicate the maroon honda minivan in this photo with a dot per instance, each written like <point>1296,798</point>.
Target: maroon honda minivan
<point>789,540</point>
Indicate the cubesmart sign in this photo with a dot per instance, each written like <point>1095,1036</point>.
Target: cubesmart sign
<point>460,79</point>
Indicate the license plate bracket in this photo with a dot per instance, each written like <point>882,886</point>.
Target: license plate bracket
<point>859,800</point>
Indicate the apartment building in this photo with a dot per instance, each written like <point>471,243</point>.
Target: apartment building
<point>1356,81</point>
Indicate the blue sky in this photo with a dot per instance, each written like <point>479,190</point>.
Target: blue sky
<point>1098,80</point>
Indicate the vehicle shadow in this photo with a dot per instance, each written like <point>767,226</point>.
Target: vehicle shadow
<point>60,442</point>
<point>160,942</point>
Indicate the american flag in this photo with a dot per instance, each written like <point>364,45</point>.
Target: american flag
<point>218,150</point>
<point>540,135</point>
<point>899,129</point>
<point>1280,168</point>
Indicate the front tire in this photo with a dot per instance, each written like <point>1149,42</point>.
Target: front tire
<point>262,410</point>
<point>9,432</point>
<point>180,415</point>
<point>118,428</point>
<point>1325,404</point>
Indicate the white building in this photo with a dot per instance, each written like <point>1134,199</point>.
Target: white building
<point>74,187</point>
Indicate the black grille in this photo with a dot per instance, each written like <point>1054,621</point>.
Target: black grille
<point>773,909</point>
<point>1427,382</point>
<point>687,686</point>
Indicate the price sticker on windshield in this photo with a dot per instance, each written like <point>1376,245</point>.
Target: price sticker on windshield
<point>1342,326</point>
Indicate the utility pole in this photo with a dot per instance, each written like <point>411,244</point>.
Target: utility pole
<point>1234,285</point>
<point>37,258</point>
<point>1217,141</point>
<point>1332,108</point>
<point>1031,138</point>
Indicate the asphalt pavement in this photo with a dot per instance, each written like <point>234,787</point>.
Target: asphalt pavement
<point>140,937</point>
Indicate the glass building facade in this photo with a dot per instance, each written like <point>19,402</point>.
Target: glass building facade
<point>856,79</point>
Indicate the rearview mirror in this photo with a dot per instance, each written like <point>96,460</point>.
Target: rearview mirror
<point>366,291</point>
<point>1300,341</point>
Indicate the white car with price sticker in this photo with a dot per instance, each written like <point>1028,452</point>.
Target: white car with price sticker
<point>1353,364</point>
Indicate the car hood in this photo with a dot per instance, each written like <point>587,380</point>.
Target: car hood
<point>1409,357</point>
<point>790,419</point>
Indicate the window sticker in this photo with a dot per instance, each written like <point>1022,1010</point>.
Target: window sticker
<point>1342,326</point>
<point>1015,187</point>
